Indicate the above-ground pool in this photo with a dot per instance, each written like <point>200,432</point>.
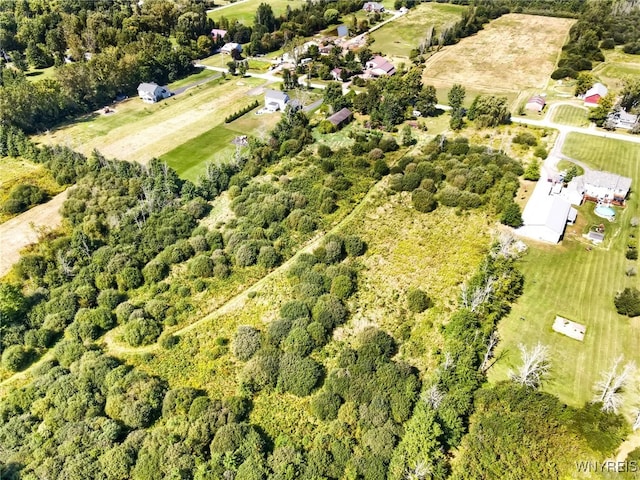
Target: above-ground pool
<point>605,212</point>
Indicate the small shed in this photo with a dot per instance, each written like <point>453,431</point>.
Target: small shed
<point>341,117</point>
<point>596,237</point>
<point>570,329</point>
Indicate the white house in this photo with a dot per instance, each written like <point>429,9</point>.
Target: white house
<point>275,100</point>
<point>622,119</point>
<point>373,7</point>
<point>152,92</point>
<point>545,216</point>
<point>232,48</point>
<point>604,186</point>
<point>378,67</point>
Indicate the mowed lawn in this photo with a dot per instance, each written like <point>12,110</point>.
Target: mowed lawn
<point>510,54</point>
<point>245,12</point>
<point>579,284</point>
<point>190,159</point>
<point>398,38</point>
<point>139,131</point>
<point>571,115</point>
<point>616,67</point>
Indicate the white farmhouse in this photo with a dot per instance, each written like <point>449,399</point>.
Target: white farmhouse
<point>607,187</point>
<point>546,216</point>
<point>152,92</point>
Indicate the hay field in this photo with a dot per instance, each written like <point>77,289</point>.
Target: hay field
<point>139,131</point>
<point>245,11</point>
<point>512,53</point>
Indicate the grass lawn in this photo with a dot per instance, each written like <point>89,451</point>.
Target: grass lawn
<point>201,75</point>
<point>500,58</point>
<point>15,171</point>
<point>190,159</point>
<point>139,131</point>
<point>570,115</point>
<point>616,67</point>
<point>566,165</point>
<point>245,12</point>
<point>398,38</point>
<point>580,285</point>
<point>35,74</point>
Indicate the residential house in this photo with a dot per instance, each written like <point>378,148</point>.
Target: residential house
<point>378,67</point>
<point>622,119</point>
<point>152,92</point>
<point>536,103</point>
<point>341,117</point>
<point>275,100</point>
<point>336,74</point>
<point>233,49</point>
<point>373,7</point>
<point>594,94</point>
<point>605,187</point>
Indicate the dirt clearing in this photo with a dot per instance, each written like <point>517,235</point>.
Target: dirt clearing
<point>512,53</point>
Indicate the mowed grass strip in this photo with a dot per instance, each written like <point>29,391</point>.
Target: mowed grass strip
<point>399,37</point>
<point>511,53</point>
<point>571,115</point>
<point>579,284</point>
<point>245,12</point>
<point>138,131</point>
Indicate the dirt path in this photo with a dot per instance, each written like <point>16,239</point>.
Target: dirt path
<point>628,446</point>
<point>23,230</point>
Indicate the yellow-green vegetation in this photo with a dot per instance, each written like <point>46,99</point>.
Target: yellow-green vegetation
<point>245,11</point>
<point>571,115</point>
<point>203,74</point>
<point>500,58</point>
<point>19,171</point>
<point>139,131</point>
<point>616,66</point>
<point>434,252</point>
<point>579,282</point>
<point>36,74</point>
<point>398,38</point>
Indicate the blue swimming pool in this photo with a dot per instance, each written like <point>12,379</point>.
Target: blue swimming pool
<point>605,212</point>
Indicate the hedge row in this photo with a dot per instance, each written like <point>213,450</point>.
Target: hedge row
<point>240,113</point>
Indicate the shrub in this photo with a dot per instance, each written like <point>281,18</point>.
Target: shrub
<point>511,215</point>
<point>417,300</point>
<point>110,298</point>
<point>294,309</point>
<point>246,342</point>
<point>342,287</point>
<point>631,253</point>
<point>155,271</point>
<point>563,72</point>
<point>354,245</point>
<point>156,309</point>
<point>334,250</point>
<point>201,266</point>
<point>376,154</point>
<point>129,278</point>
<point>299,342</point>
<point>423,201</point>
<point>540,152</point>
<point>298,375</point>
<point>23,197</point>
<point>241,112</point>
<point>247,254</point>
<point>268,257</point>
<point>388,144</point>
<point>141,331</point>
<point>261,371</point>
<point>329,311</point>
<point>627,302</point>
<point>124,311</point>
<point>525,138</point>
<point>380,169</point>
<point>16,357</point>
<point>324,151</point>
<point>325,405</point>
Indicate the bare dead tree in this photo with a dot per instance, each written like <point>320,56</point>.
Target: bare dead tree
<point>473,299</point>
<point>612,384</point>
<point>419,472</point>
<point>505,244</point>
<point>65,265</point>
<point>636,423</point>
<point>433,397</point>
<point>535,366</point>
<point>492,342</point>
<point>426,42</point>
<point>448,361</point>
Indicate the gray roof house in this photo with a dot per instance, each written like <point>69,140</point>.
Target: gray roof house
<point>275,100</point>
<point>340,117</point>
<point>152,92</point>
<point>604,186</point>
<point>546,216</point>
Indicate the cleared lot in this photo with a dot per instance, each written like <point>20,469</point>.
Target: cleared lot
<point>512,53</point>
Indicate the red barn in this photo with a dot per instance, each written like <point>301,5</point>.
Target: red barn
<point>594,94</point>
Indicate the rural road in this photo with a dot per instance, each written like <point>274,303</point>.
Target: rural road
<point>23,230</point>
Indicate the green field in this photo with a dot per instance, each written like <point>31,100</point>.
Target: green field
<point>398,38</point>
<point>616,67</point>
<point>571,115</point>
<point>578,283</point>
<point>190,159</point>
<point>245,11</point>
<point>203,74</point>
